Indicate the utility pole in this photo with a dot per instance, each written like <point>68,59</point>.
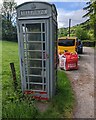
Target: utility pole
<point>69,26</point>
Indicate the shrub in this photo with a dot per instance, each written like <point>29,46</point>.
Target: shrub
<point>81,34</point>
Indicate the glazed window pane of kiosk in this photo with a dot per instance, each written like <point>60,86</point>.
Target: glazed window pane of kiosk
<point>36,27</point>
<point>37,40</point>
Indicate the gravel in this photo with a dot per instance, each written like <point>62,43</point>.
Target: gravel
<point>83,84</point>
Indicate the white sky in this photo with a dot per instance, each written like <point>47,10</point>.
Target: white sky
<point>63,15</point>
<point>21,1</point>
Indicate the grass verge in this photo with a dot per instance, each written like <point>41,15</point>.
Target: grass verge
<point>16,106</point>
<point>63,102</point>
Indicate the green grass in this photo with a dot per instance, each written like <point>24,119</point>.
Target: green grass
<point>9,54</point>
<point>19,110</point>
<point>63,102</point>
<point>12,106</point>
<point>16,106</point>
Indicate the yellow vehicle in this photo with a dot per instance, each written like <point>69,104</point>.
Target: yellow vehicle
<point>67,44</point>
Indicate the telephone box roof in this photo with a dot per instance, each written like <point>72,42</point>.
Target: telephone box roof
<point>37,2</point>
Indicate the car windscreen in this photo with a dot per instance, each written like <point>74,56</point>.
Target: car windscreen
<point>66,42</point>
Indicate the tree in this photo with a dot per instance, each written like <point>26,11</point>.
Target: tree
<point>91,8</point>
<point>9,32</point>
<point>62,32</point>
<point>8,18</point>
<point>81,34</point>
<point>8,10</point>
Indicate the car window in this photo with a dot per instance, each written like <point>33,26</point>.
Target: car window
<point>66,42</point>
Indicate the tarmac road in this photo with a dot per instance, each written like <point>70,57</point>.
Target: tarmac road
<point>83,84</point>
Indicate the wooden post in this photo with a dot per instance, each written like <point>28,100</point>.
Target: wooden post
<point>69,26</point>
<point>14,75</point>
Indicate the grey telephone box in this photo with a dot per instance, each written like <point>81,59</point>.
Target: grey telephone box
<point>37,39</point>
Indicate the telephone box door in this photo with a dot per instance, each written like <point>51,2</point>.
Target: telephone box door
<point>35,55</point>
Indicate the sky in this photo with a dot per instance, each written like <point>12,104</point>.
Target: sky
<point>70,10</point>
<point>66,9</point>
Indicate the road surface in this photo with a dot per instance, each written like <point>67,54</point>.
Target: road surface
<point>83,85</point>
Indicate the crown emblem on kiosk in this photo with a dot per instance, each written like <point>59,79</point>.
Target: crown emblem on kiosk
<point>33,6</point>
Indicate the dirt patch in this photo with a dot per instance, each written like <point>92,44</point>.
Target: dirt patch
<point>42,106</point>
<point>83,85</point>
